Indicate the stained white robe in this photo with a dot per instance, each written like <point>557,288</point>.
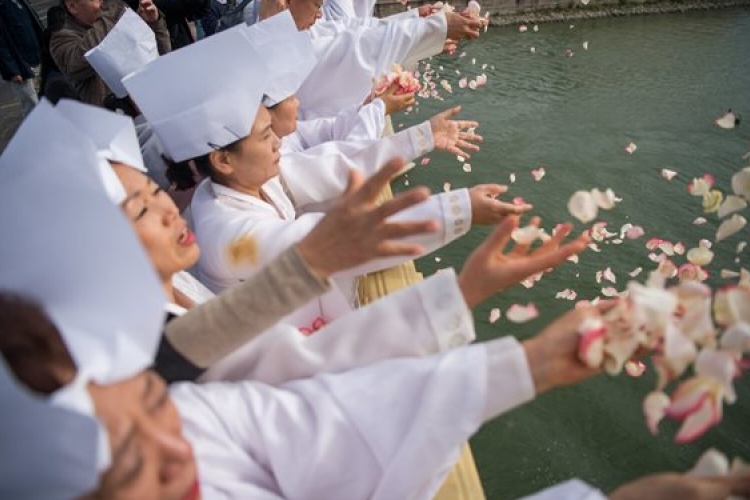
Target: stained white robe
<point>222,215</point>
<point>420,320</point>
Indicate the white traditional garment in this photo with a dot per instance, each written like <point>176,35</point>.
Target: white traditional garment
<point>349,59</point>
<point>222,216</point>
<point>91,277</point>
<point>320,174</point>
<point>356,123</point>
<point>420,320</point>
<point>189,285</point>
<point>395,427</point>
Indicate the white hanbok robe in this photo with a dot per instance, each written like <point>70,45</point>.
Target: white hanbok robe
<point>320,174</point>
<point>356,123</point>
<point>349,59</point>
<point>412,322</point>
<point>222,215</point>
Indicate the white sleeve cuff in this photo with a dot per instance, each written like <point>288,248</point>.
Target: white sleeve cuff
<point>422,141</point>
<point>509,382</point>
<point>456,206</point>
<point>447,311</point>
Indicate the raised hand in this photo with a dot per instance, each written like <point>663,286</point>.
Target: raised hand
<point>670,485</point>
<point>356,229</point>
<point>461,27</point>
<point>451,136</point>
<point>491,268</point>
<point>396,102</point>
<point>148,11</point>
<point>486,209</point>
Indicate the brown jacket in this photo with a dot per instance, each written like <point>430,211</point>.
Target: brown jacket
<point>69,45</point>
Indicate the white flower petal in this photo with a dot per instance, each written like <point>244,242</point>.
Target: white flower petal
<point>712,463</point>
<point>730,226</point>
<point>741,183</point>
<point>699,220</point>
<point>583,207</point>
<point>630,148</point>
<point>526,235</point>
<point>521,314</point>
<point>731,204</point>
<point>700,256</point>
<point>494,315</point>
<point>668,174</point>
<point>635,272</point>
<point>654,408</point>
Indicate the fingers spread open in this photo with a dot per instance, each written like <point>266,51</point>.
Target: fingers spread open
<point>397,230</point>
<point>394,249</point>
<point>400,202</point>
<point>370,189</point>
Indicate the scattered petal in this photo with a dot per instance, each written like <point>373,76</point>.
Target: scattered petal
<point>701,185</point>
<point>635,272</point>
<point>583,207</point>
<point>523,28</point>
<point>635,368</point>
<point>494,315</point>
<point>728,120</point>
<point>526,235</point>
<point>634,233</point>
<point>741,183</point>
<point>425,161</point>
<point>512,178</point>
<point>446,186</point>
<point>712,201</point>
<point>609,275</point>
<point>538,173</point>
<point>610,291</point>
<point>729,274</point>
<point>463,83</point>
<point>592,333</point>
<point>730,226</point>
<point>668,174</point>
<point>467,167</point>
<point>630,148</point>
<point>585,45</point>
<point>654,407</point>
<point>533,50</point>
<point>699,221</point>
<point>711,463</point>
<point>700,256</point>
<point>731,204</point>
<point>521,314</point>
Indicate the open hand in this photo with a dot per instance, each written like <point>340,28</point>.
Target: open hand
<point>486,209</point>
<point>450,135</point>
<point>462,27</point>
<point>491,268</point>
<point>356,229</point>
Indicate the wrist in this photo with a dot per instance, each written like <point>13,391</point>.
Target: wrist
<point>471,296</point>
<point>539,365</point>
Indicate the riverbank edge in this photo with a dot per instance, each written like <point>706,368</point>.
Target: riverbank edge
<point>581,12</point>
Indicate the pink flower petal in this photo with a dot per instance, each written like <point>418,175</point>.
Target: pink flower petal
<point>463,83</point>
<point>688,398</point>
<point>630,148</point>
<point>609,275</point>
<point>521,314</point>
<point>736,338</point>
<point>679,248</point>
<point>425,161</point>
<point>518,200</point>
<point>610,291</point>
<point>523,28</point>
<point>634,233</point>
<point>708,415</point>
<point>635,368</point>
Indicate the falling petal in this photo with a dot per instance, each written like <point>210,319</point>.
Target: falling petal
<point>573,258</point>
<point>741,183</point>
<point>536,28</point>
<point>679,248</point>
<point>538,173</point>
<point>699,221</point>
<point>730,226</point>
<point>523,28</point>
<point>700,186</point>
<point>518,200</point>
<point>438,259</point>
<point>694,426</point>
<point>533,50</point>
<point>463,82</point>
<point>467,167</point>
<point>668,174</point>
<point>731,204</point>
<point>446,86</point>
<point>736,338</point>
<point>704,243</point>
<point>712,463</point>
<point>741,246</point>
<point>473,84</point>
<point>728,120</point>
<point>526,235</point>
<point>425,161</point>
<point>634,232</point>
<point>635,368</point>
<point>461,159</point>
<point>512,178</point>
<point>605,199</point>
<point>609,275</point>
<point>654,408</point>
<point>484,66</point>
<point>521,314</point>
<point>610,291</point>
<point>598,276</point>
<point>585,45</point>
<point>406,182</point>
<point>712,201</point>
<point>630,148</point>
<point>594,247</point>
<point>494,315</point>
<point>667,247</point>
<point>592,333</point>
<point>583,207</point>
<point>728,274</point>
<point>653,243</point>
<point>635,272</point>
<point>481,80</point>
<point>700,256</point>
<point>446,186</point>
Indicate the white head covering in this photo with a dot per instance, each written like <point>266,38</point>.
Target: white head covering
<point>130,45</point>
<point>68,248</point>
<point>113,136</point>
<point>212,107</point>
<point>49,453</point>
<point>287,52</point>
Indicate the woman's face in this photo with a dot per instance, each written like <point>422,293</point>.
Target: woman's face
<point>254,161</point>
<point>163,232</point>
<point>284,116</point>
<point>150,457</point>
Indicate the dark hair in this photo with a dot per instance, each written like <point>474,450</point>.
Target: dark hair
<point>32,345</point>
<point>55,18</point>
<point>182,176</point>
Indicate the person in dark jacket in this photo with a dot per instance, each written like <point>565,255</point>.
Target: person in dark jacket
<point>54,85</point>
<point>178,14</point>
<point>20,35</point>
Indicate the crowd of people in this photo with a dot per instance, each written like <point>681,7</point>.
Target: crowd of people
<point>181,254</point>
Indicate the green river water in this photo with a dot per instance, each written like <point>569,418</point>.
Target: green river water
<point>658,81</point>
